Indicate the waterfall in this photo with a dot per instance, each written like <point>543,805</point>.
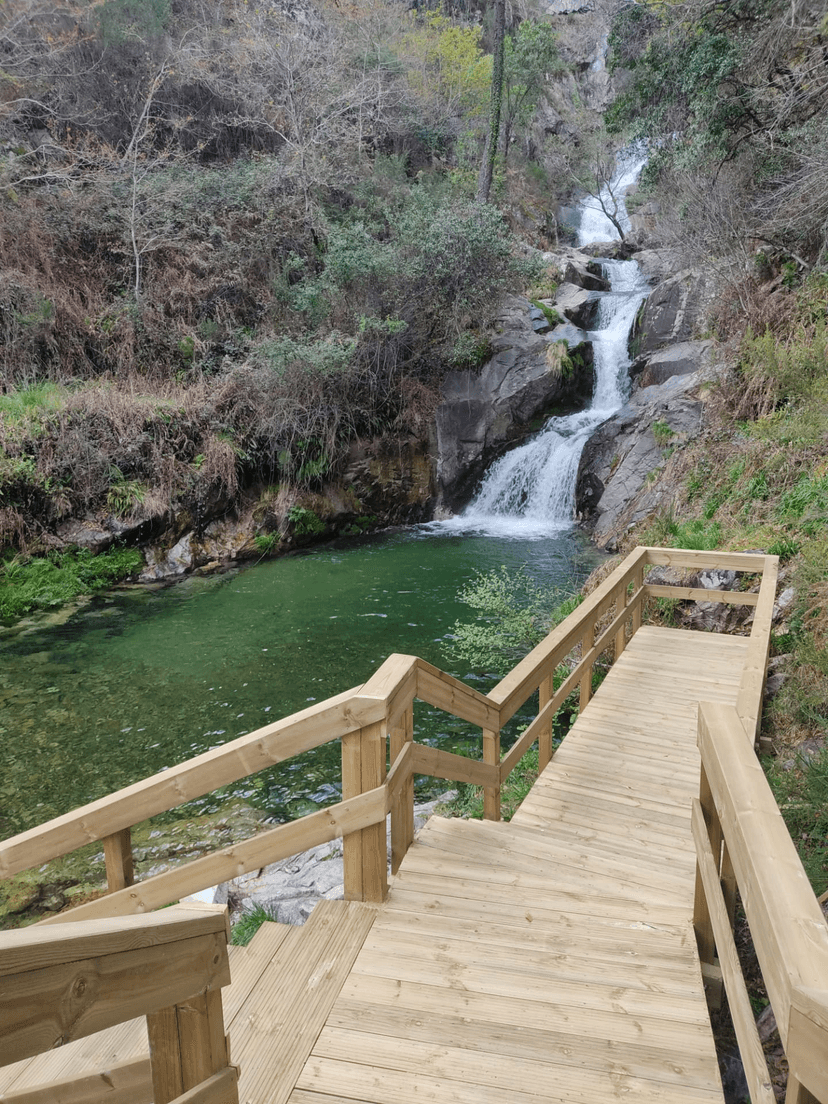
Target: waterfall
<point>530,492</point>
<point>595,226</point>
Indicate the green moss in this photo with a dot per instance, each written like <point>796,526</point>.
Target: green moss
<point>38,583</point>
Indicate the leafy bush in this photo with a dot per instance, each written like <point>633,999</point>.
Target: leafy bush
<point>513,615</point>
<point>305,522</point>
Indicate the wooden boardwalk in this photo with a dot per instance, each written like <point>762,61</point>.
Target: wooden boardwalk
<point>548,959</point>
<point>551,958</point>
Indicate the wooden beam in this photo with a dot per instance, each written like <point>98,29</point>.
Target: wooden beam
<point>750,1046</point>
<point>546,692</point>
<point>702,922</point>
<point>126,1082</point>
<point>44,1008</point>
<point>34,948</point>
<point>278,843</point>
<point>752,684</point>
<point>364,848</point>
<point>454,768</point>
<point>701,594</point>
<point>394,684</point>
<point>118,859</point>
<point>637,583</point>
<point>221,1088</point>
<point>263,748</point>
<point>807,1046</point>
<point>491,757</point>
<point>445,692</point>
<point>682,557</point>
<point>400,740</point>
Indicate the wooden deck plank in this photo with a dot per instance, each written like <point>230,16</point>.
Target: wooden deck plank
<point>277,1025</point>
<point>483,1083</point>
<point>529,1040</point>
<point>488,1062</point>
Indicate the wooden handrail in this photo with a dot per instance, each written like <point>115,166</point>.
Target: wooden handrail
<point>381,710</point>
<point>193,778</point>
<point>281,842</point>
<point>63,985</point>
<point>789,931</point>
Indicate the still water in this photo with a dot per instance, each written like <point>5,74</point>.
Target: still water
<point>140,680</point>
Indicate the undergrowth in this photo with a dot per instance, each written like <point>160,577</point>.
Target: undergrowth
<point>249,923</point>
<point>29,584</point>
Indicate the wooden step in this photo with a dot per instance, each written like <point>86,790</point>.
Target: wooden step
<point>275,1028</point>
<point>283,985</point>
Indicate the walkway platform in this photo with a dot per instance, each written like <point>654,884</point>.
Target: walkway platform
<point>552,958</point>
<point>549,959</point>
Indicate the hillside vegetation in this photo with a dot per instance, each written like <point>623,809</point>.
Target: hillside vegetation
<point>234,239</point>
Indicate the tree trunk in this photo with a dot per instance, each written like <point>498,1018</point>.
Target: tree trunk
<point>484,180</point>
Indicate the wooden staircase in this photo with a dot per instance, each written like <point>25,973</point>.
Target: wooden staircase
<point>284,983</point>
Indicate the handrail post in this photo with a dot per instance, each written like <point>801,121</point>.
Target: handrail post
<point>545,694</point>
<point>621,635</point>
<point>187,1045</point>
<point>638,583</point>
<point>120,871</point>
<point>365,856</point>
<point>491,755</point>
<point>402,808</point>
<point>587,640</point>
<point>796,1093</point>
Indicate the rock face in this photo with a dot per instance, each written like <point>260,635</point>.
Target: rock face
<point>613,489</point>
<point>528,378</point>
<point>671,313</point>
<point>576,304</point>
<point>676,360</point>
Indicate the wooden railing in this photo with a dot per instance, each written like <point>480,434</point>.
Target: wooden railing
<point>375,725</point>
<point>62,985</point>
<point>742,843</point>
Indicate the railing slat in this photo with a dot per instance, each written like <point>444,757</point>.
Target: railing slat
<point>451,767</point>
<point>221,866</point>
<point>750,1047</point>
<point>701,594</point>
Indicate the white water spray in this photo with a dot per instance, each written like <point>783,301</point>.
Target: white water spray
<point>530,492</point>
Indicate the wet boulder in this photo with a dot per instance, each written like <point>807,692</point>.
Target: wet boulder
<point>577,304</point>
<point>529,377</point>
<point>673,312</point>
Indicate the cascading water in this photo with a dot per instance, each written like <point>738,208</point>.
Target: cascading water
<point>594,225</point>
<point>531,490</point>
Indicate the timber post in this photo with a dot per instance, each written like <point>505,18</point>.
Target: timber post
<point>402,807</point>
<point>491,755</point>
<point>364,851</point>
<point>546,692</point>
<point>120,872</point>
